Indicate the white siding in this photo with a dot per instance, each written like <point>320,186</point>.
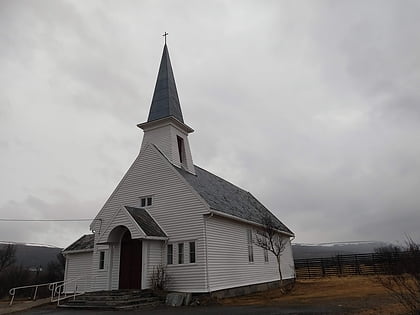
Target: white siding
<point>100,279</point>
<point>192,274</point>
<point>177,209</point>
<point>115,269</point>
<point>78,271</point>
<point>228,263</point>
<point>162,138</point>
<point>153,260</point>
<point>165,138</point>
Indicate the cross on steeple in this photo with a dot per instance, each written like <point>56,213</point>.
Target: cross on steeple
<point>164,35</point>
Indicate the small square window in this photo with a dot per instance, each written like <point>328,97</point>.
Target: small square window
<point>146,201</point>
<point>101,260</point>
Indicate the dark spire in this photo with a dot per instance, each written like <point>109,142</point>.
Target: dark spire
<point>165,100</point>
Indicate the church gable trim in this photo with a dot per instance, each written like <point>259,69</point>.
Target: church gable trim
<point>122,218</point>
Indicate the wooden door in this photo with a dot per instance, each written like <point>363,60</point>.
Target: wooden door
<point>130,263</point>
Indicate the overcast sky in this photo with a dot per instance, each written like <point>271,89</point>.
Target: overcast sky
<point>312,106</point>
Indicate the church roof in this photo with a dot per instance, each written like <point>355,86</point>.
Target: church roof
<point>146,222</point>
<point>225,197</point>
<point>165,102</point>
<point>83,243</point>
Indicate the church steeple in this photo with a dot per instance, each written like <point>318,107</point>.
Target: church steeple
<point>165,100</point>
<point>165,125</point>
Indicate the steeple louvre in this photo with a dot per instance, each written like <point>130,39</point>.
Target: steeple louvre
<point>165,102</point>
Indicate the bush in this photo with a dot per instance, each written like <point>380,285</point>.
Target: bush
<point>160,278</point>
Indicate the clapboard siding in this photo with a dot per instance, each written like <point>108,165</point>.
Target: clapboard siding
<point>191,273</point>
<point>177,209</point>
<point>228,263</point>
<point>78,266</point>
<point>115,270</point>
<point>100,277</point>
<point>153,259</point>
<point>165,138</point>
<point>161,136</point>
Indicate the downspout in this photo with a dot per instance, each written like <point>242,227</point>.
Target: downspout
<point>205,241</point>
<point>293,258</point>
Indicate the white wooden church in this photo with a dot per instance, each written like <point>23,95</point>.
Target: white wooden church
<point>168,212</point>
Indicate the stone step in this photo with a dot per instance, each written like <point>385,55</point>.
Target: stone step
<point>118,292</point>
<point>114,302</point>
<point>121,299</point>
<point>108,307</point>
<point>113,297</point>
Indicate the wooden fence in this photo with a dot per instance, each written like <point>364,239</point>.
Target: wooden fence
<point>342,265</point>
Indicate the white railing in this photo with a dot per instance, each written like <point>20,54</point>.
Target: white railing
<point>59,290</point>
<point>12,291</point>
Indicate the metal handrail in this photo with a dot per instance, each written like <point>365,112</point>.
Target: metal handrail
<point>59,289</point>
<point>50,285</point>
<point>56,288</point>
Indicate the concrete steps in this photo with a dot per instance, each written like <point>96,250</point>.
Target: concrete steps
<point>117,299</point>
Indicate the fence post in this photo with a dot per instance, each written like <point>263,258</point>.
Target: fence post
<point>340,270</point>
<point>357,264</point>
<point>323,267</point>
<point>307,267</point>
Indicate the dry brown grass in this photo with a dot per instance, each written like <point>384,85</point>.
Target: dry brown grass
<point>361,295</point>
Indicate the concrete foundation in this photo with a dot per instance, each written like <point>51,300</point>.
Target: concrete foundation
<point>248,289</point>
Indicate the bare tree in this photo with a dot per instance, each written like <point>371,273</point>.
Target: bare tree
<point>269,238</point>
<point>7,256</point>
<point>401,274</point>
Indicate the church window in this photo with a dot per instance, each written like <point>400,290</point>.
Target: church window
<point>192,252</point>
<point>181,149</point>
<point>250,249</point>
<point>170,254</point>
<point>145,201</point>
<point>180,253</point>
<point>101,260</point>
<point>265,255</point>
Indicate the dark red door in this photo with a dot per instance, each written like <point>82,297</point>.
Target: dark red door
<point>130,263</point>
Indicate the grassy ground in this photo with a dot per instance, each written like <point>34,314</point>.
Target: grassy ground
<point>358,295</point>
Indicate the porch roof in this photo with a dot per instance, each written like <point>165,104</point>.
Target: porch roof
<point>145,222</point>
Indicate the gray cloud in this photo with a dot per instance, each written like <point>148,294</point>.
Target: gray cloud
<point>313,107</point>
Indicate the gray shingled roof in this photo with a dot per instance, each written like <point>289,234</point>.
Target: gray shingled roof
<point>146,222</point>
<point>83,243</point>
<point>228,198</point>
<point>165,102</point>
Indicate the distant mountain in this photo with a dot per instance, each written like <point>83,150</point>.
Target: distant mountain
<point>34,255</point>
<point>302,250</point>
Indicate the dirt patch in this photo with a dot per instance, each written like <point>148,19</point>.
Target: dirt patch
<point>361,295</point>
